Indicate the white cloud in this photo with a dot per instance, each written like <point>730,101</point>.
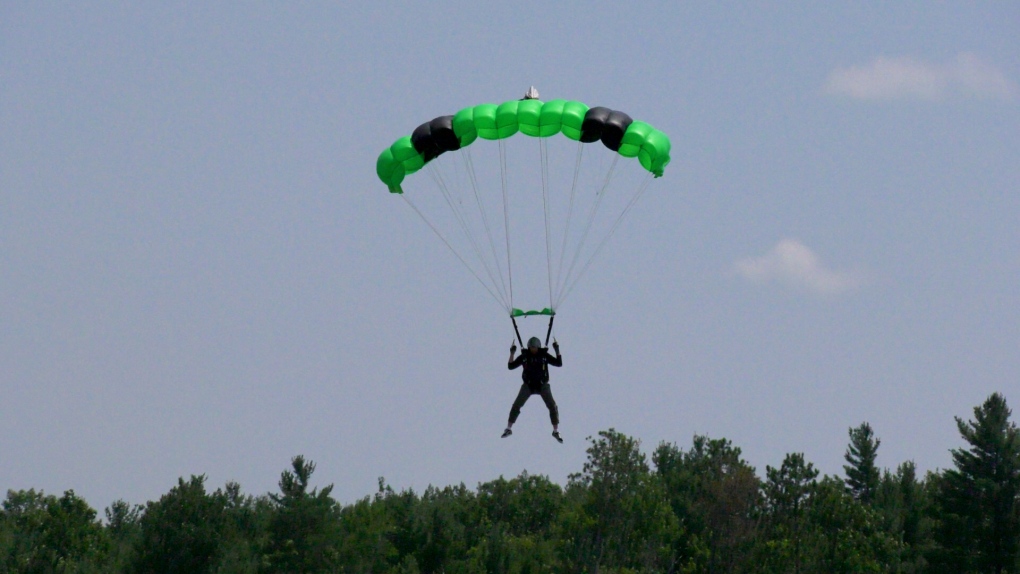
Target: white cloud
<point>907,78</point>
<point>794,264</point>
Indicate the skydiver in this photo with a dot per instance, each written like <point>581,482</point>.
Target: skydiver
<point>536,363</point>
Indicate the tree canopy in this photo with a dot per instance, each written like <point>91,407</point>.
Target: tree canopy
<point>702,508</point>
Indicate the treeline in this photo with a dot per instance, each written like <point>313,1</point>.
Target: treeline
<point>699,509</point>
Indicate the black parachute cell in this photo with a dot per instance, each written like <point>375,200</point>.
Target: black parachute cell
<point>443,135</point>
<point>424,143</point>
<point>612,132</point>
<point>594,121</point>
<point>433,138</point>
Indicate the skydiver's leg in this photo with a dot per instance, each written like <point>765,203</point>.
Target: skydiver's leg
<point>554,412</point>
<point>515,410</point>
<point>550,402</point>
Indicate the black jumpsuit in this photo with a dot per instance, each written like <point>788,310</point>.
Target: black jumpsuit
<point>536,381</point>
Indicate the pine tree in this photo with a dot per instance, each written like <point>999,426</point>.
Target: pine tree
<point>978,500</point>
<point>304,530</point>
<point>862,476</point>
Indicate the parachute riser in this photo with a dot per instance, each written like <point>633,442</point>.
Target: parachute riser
<point>549,330</point>
<point>516,330</point>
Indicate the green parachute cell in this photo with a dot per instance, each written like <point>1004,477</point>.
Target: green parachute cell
<point>573,119</point>
<point>654,152</point>
<point>485,121</point>
<point>507,123</point>
<point>464,126</point>
<point>550,118</point>
<point>529,117</point>
<point>636,135</point>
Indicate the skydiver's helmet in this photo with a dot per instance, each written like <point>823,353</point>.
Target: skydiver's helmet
<point>534,343</point>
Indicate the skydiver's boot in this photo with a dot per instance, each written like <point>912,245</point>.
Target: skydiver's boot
<point>556,435</point>
<point>509,432</point>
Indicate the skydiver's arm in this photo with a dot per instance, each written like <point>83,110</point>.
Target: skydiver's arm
<point>514,363</point>
<point>556,361</point>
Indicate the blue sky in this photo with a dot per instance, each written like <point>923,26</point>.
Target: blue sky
<point>201,273</point>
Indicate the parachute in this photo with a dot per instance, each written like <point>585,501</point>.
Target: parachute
<point>471,199</point>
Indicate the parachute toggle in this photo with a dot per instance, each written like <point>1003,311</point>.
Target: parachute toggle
<point>521,313</point>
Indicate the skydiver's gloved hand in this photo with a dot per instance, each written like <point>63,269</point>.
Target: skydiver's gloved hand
<point>513,349</point>
<point>556,347</point>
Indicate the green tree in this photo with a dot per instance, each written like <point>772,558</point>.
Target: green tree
<point>400,510</point>
<point>520,521</point>
<point>446,522</point>
<point>846,535</point>
<point>123,526</point>
<point>913,501</point>
<point>618,515</point>
<point>245,531</point>
<point>716,495</point>
<point>525,505</point>
<point>787,492</point>
<point>818,526</point>
<point>978,500</point>
<point>367,534</point>
<point>181,533</point>
<point>903,503</point>
<point>304,527</point>
<point>24,518</point>
<point>862,476</point>
<point>49,534</point>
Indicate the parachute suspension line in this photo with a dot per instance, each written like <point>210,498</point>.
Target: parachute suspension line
<point>469,166</point>
<point>616,224</point>
<point>458,213</point>
<point>568,280</point>
<point>502,302</point>
<point>462,221</point>
<point>506,220</point>
<point>570,213</point>
<point>545,208</point>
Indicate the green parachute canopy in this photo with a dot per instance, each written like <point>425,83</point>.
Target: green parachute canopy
<point>575,120</point>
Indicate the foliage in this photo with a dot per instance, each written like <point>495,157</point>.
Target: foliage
<point>715,495</point>
<point>304,527</point>
<point>702,509</point>
<point>123,525</point>
<point>618,516</point>
<point>43,533</point>
<point>182,531</point>
<point>862,476</point>
<point>977,502</point>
